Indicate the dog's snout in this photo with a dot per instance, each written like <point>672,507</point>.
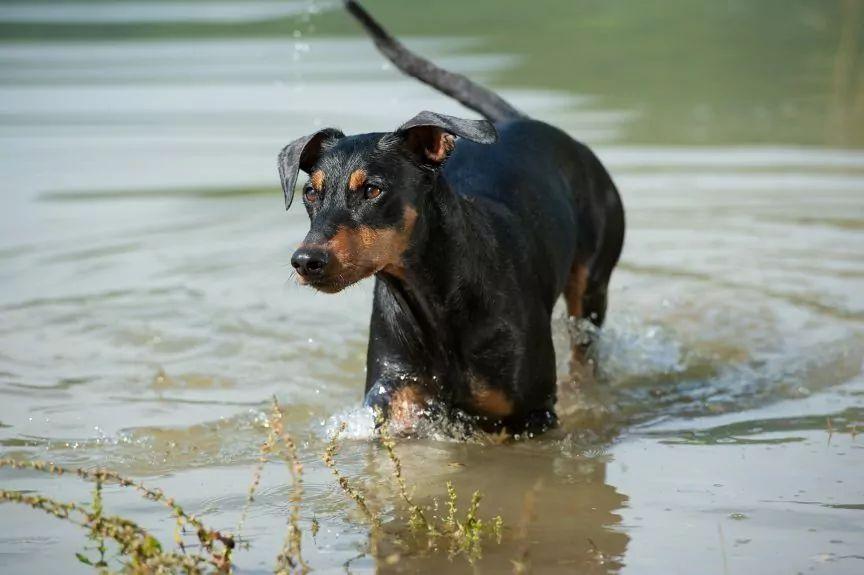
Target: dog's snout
<point>310,262</point>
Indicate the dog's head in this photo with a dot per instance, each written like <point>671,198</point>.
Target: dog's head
<point>364,193</point>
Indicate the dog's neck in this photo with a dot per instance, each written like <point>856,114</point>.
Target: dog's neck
<point>436,282</point>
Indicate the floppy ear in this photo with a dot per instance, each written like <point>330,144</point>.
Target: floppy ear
<point>432,136</point>
<point>302,154</point>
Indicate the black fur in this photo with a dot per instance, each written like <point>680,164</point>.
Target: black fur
<point>500,226</point>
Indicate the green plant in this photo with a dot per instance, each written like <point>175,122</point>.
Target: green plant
<point>291,556</point>
<point>354,494</point>
<point>463,537</point>
<point>140,552</point>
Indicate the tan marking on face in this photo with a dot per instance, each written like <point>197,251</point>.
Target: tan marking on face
<point>361,252</point>
<point>317,180</point>
<point>488,400</point>
<point>356,180</point>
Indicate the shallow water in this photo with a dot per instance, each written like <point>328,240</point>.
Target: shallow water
<point>147,316</point>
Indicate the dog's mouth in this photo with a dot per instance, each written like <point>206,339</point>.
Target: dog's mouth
<point>335,281</point>
<point>325,284</point>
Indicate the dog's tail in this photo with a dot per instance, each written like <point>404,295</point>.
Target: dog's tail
<point>489,104</point>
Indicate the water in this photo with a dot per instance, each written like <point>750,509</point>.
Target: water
<point>147,317</point>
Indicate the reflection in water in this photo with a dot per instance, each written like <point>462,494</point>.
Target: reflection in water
<point>146,319</point>
<point>563,503</point>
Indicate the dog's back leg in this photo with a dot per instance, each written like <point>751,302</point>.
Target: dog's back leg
<point>586,291</point>
<point>578,305</point>
<point>586,299</point>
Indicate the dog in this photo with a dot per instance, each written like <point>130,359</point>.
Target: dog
<point>472,229</point>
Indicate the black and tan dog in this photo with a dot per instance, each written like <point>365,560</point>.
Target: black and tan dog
<point>472,229</point>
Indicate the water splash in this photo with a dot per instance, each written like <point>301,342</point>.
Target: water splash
<point>628,348</point>
<point>360,423</point>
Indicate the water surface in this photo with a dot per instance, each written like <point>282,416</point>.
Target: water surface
<point>147,315</point>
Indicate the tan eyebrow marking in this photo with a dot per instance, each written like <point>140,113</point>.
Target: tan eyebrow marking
<point>356,180</point>
<point>317,180</point>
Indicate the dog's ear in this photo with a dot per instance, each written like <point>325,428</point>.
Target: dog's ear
<point>431,137</point>
<point>302,154</point>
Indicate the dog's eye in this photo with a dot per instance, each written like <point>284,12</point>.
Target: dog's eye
<point>371,192</point>
<point>310,194</point>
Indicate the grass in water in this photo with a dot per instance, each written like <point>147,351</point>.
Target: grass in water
<point>142,552</point>
<point>462,536</point>
<point>138,551</point>
<point>290,559</point>
<point>349,490</point>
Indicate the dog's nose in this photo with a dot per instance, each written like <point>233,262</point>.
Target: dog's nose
<point>310,262</point>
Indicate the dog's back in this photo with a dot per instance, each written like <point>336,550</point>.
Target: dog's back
<point>562,195</point>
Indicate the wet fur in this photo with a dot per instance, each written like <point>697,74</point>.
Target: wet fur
<point>471,244</point>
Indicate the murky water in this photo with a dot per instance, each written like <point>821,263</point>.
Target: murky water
<point>147,317</point>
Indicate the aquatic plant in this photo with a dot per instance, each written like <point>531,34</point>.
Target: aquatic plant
<point>291,556</point>
<point>138,551</point>
<point>142,552</point>
<point>463,537</point>
<point>354,494</point>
